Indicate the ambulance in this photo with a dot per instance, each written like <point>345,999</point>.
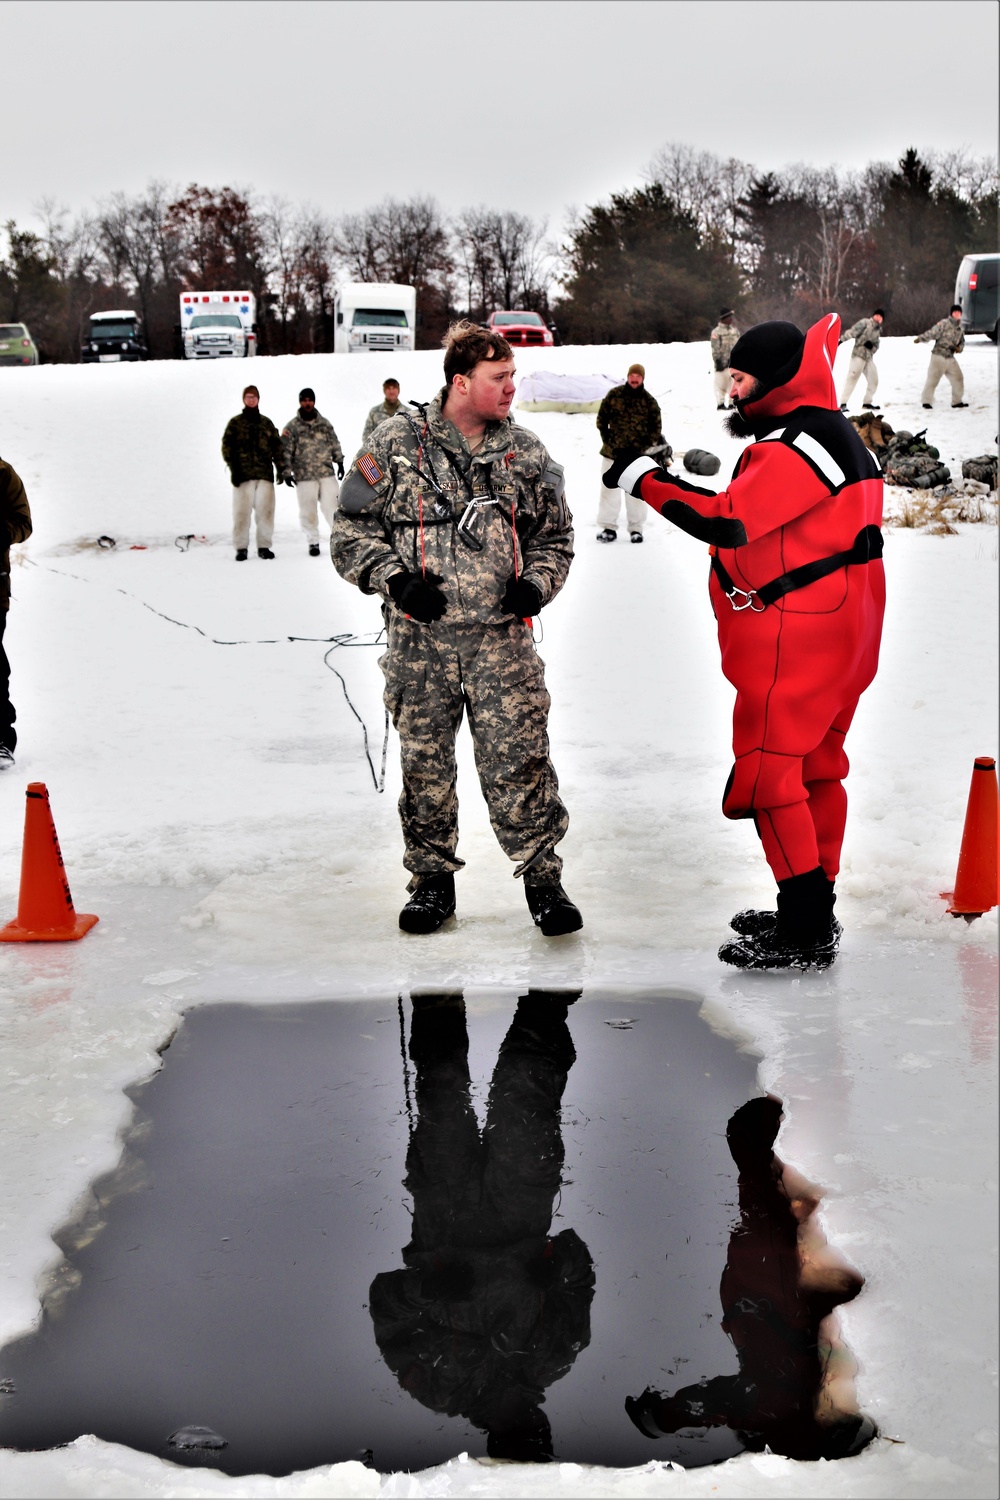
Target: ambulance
<point>218,325</point>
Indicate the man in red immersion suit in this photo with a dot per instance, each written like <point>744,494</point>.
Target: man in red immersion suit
<point>798,591</point>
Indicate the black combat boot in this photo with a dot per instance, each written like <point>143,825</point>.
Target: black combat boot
<point>804,935</point>
<point>432,903</point>
<point>552,909</point>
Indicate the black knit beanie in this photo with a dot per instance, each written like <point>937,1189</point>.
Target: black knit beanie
<point>307,394</point>
<point>771,352</point>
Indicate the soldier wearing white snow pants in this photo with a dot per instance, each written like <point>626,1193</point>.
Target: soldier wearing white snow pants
<point>949,340</point>
<point>866,333</point>
<point>251,449</point>
<point>310,452</point>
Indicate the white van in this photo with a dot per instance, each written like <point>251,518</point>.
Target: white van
<point>977,292</point>
<point>374,317</point>
<point>218,324</point>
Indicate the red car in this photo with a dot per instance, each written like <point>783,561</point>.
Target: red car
<point>521,328</point>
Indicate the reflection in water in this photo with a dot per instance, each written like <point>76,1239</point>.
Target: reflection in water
<point>794,1390</point>
<point>490,1309</point>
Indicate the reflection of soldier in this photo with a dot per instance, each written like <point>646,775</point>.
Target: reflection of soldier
<point>866,333</point>
<point>490,1309</point>
<point>949,340</point>
<point>311,451</point>
<point>789,1394</point>
<point>458,520</point>
<point>725,335</point>
<point>388,407</point>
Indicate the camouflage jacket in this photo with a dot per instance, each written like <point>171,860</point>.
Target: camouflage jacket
<point>380,413</point>
<point>310,450</point>
<point>250,446</point>
<point>947,335</point>
<point>866,334</point>
<point>724,339</point>
<point>406,494</point>
<point>15,523</point>
<point>628,419</point>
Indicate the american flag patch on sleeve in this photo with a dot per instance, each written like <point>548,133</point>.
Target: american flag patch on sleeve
<point>369,468</point>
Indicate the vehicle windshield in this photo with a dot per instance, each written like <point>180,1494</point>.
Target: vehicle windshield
<point>506,320</point>
<point>215,320</point>
<point>112,330</point>
<point>13,331</point>
<point>378,317</point>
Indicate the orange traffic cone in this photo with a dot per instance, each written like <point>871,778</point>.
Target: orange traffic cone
<point>45,911</point>
<point>976,884</point>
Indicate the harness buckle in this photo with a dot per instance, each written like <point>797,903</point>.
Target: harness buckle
<point>748,596</point>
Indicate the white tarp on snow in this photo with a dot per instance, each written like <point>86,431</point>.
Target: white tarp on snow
<point>544,390</point>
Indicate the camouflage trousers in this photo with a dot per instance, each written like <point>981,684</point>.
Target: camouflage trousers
<point>947,365</point>
<point>433,675</point>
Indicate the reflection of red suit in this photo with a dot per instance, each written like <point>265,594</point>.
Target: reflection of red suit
<point>801,492</point>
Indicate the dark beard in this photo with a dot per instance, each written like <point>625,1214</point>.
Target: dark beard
<point>736,423</point>
<point>737,426</point>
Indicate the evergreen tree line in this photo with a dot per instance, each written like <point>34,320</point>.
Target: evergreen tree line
<point>654,263</point>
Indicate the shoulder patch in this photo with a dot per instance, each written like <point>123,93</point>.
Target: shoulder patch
<point>369,468</point>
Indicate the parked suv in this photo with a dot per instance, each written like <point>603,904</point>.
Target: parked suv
<point>521,327</point>
<point>113,336</point>
<point>977,292</point>
<point>17,347</point>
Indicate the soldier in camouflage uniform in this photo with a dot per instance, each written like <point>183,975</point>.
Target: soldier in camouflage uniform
<point>251,449</point>
<point>15,526</point>
<point>388,407</point>
<point>949,340</point>
<point>724,337</point>
<point>457,519</point>
<point>866,333</point>
<point>310,452</point>
<point>629,422</point>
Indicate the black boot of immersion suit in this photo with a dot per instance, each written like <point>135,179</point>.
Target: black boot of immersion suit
<point>804,934</point>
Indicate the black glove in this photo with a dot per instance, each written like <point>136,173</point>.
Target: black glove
<point>287,479</point>
<point>621,461</point>
<point>868,344</point>
<point>521,597</point>
<point>340,468</point>
<point>420,598</point>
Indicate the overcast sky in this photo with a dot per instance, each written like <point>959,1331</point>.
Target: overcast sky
<point>529,104</point>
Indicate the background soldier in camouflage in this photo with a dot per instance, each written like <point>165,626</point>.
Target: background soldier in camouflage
<point>724,337</point>
<point>866,333</point>
<point>310,451</point>
<point>15,526</point>
<point>459,522</point>
<point>949,340</point>
<point>629,422</point>
<point>251,449</point>
<point>388,407</point>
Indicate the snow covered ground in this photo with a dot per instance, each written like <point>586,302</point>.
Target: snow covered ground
<point>215,808</point>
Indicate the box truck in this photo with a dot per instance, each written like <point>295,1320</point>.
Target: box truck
<point>218,325</point>
<point>374,318</point>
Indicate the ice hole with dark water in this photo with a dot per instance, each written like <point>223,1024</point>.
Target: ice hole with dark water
<point>539,1226</point>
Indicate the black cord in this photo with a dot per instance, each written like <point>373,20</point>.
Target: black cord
<point>347,638</point>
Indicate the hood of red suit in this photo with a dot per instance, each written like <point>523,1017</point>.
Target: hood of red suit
<point>811,385</point>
